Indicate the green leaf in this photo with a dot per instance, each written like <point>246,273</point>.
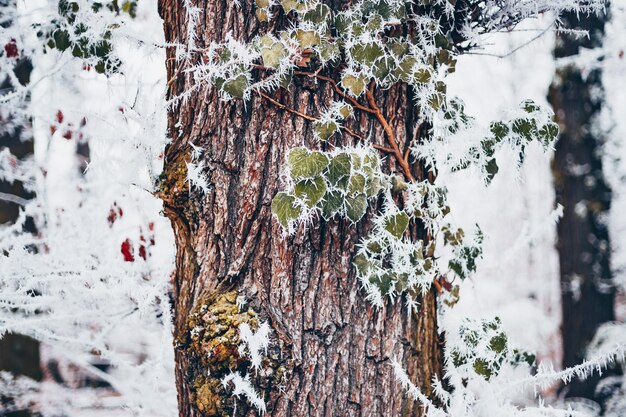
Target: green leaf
<point>325,130</point>
<point>343,23</point>
<point>236,87</point>
<point>526,128</point>
<point>367,54</point>
<point>549,133</point>
<point>498,343</point>
<point>304,164</point>
<point>272,52</point>
<point>356,206</point>
<point>328,51</point>
<point>397,224</point>
<point>492,169</point>
<point>318,14</point>
<point>499,129</point>
<point>345,111</point>
<point>355,84</point>
<point>285,209</point>
<point>311,191</point>
<point>423,75</point>
<point>357,184</point>
<point>307,38</point>
<point>530,106</point>
<point>331,204</point>
<point>398,47</point>
<point>339,168</point>
<point>405,68</point>
<point>362,265</point>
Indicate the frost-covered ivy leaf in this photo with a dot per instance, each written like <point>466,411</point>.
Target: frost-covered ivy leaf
<point>499,343</point>
<point>423,75</point>
<point>328,51</point>
<point>373,187</point>
<point>344,23</point>
<point>398,47</point>
<point>355,84</point>
<point>297,5</point>
<point>357,184</point>
<point>262,15</point>
<point>361,264</point>
<point>272,51</point>
<point>374,23</point>
<point>396,224</point>
<point>345,111</point>
<point>526,128</point>
<point>331,204</point>
<point>324,130</point>
<point>285,208</point>
<point>356,206</point>
<point>492,169</point>
<point>405,68</point>
<point>548,133</point>
<point>381,7</point>
<point>311,191</point>
<point>304,164</point>
<point>307,38</point>
<point>367,53</point>
<point>383,68</point>
<point>236,87</point>
<point>318,14</point>
<point>529,106</point>
<point>499,129</point>
<point>339,168</point>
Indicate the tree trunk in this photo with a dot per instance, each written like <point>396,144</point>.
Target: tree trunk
<point>19,354</point>
<point>332,351</point>
<point>584,248</point>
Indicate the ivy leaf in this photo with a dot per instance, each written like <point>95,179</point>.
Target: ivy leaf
<point>285,208</point>
<point>345,111</point>
<point>499,129</point>
<point>357,184</point>
<point>331,204</point>
<point>549,132</point>
<point>236,87</point>
<point>339,168</point>
<point>307,38</point>
<point>530,106</point>
<point>356,207</point>
<point>272,52</point>
<point>311,191</point>
<point>304,164</point>
<point>355,84</point>
<point>367,53</point>
<point>318,14</point>
<point>397,224</point>
<point>325,130</point>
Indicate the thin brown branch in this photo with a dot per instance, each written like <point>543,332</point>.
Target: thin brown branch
<point>391,138</point>
<point>283,107</point>
<point>338,90</point>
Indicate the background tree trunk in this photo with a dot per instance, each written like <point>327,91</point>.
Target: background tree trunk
<point>332,350</point>
<point>584,247</point>
<point>19,354</point>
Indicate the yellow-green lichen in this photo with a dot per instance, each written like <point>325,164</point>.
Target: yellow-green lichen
<point>213,344</point>
<point>172,182</point>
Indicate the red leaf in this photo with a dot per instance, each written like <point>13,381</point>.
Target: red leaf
<point>142,252</point>
<point>11,49</point>
<point>127,251</point>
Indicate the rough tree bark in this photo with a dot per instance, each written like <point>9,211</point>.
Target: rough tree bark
<point>583,238</point>
<point>332,350</point>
